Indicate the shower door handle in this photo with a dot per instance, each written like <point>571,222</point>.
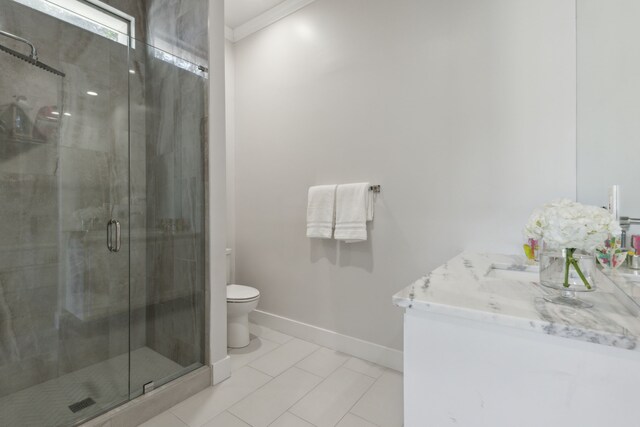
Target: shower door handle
<point>113,232</point>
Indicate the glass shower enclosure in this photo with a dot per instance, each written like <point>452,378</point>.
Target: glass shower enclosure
<point>102,213</point>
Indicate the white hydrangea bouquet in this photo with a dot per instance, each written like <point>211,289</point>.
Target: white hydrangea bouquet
<point>566,227</point>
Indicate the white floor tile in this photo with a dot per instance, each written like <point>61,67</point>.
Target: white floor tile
<point>351,420</point>
<point>268,333</point>
<point>332,399</point>
<point>289,420</point>
<point>257,347</point>
<point>383,403</point>
<point>265,405</point>
<point>166,419</point>
<point>226,419</point>
<point>284,357</point>
<point>364,367</point>
<point>209,403</point>
<point>323,362</point>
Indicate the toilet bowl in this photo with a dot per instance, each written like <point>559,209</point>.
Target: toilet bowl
<point>241,300</point>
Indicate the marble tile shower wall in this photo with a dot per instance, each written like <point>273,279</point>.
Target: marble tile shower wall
<point>175,105</point>
<point>28,249</point>
<point>180,27</point>
<point>63,303</point>
<point>175,190</point>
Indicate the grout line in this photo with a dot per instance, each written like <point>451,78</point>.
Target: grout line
<point>330,373</point>
<point>293,415</point>
<point>263,372</point>
<point>277,346</point>
<point>178,418</point>
<point>168,412</point>
<point>246,397</point>
<point>230,405</point>
<point>234,416</point>
<point>323,380</point>
<point>259,371</point>
<point>361,397</point>
<point>359,417</point>
<point>305,395</point>
<point>294,364</point>
<point>269,382</point>
<point>362,373</point>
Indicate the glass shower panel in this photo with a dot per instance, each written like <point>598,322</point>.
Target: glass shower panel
<point>167,215</point>
<point>64,176</point>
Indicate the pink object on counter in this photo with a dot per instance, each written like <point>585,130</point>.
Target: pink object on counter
<point>635,242</point>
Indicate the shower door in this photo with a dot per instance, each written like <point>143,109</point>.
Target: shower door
<point>64,206</point>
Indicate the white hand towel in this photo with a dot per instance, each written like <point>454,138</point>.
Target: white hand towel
<point>321,209</point>
<point>354,207</point>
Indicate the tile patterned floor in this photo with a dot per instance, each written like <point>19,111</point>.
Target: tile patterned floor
<point>281,381</point>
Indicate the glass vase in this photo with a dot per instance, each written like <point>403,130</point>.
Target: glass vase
<point>570,272</point>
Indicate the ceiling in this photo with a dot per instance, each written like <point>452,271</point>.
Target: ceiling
<point>237,12</point>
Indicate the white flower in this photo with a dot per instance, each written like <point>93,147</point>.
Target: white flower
<point>568,224</point>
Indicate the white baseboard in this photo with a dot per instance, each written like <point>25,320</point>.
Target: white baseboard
<point>375,353</point>
<point>221,370</point>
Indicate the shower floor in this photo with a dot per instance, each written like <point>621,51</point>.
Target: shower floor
<point>107,383</point>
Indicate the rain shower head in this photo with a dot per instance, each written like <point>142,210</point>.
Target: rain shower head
<point>31,59</point>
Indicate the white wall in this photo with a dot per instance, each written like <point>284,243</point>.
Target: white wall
<point>464,112</point>
<point>608,102</point>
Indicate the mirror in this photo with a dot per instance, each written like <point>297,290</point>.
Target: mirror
<point>608,103</point>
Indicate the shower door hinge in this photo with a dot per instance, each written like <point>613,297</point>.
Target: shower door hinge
<point>148,387</point>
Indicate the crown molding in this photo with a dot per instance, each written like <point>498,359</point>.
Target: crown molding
<point>265,19</point>
<point>228,33</point>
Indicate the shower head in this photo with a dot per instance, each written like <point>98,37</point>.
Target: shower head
<point>31,59</point>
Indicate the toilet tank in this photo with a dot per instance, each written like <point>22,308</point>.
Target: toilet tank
<point>228,266</point>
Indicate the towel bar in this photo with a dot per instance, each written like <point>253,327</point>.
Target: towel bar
<point>375,188</point>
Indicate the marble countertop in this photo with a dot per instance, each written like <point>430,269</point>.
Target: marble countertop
<point>465,287</point>
<point>628,281</point>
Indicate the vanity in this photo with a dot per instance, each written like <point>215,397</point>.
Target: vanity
<point>483,348</point>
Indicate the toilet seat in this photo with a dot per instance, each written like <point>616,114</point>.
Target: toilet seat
<point>241,293</point>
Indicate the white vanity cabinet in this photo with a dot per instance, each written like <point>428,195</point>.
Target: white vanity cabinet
<point>482,348</point>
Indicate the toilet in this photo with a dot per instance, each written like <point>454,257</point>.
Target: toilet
<point>241,300</point>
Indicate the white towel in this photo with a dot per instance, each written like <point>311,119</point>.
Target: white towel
<point>321,209</point>
<point>354,207</point>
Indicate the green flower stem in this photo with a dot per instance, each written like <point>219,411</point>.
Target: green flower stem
<point>584,279</point>
<point>567,264</point>
<point>571,261</point>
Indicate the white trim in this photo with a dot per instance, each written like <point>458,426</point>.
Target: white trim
<point>221,370</point>
<point>121,14</point>
<point>228,34</point>
<point>375,353</point>
<point>265,19</point>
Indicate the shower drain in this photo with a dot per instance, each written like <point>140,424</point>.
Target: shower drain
<point>85,403</point>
